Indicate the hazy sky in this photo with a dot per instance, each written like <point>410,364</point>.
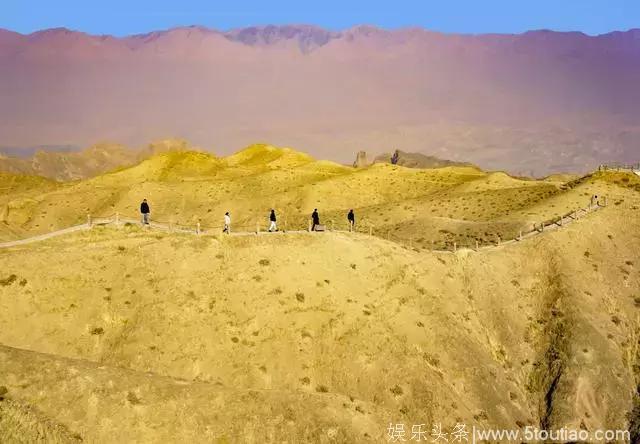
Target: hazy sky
<point>122,17</point>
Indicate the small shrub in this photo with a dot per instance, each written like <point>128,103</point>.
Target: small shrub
<point>300,297</point>
<point>264,262</point>
<point>433,360</point>
<point>132,398</point>
<point>8,280</point>
<point>97,331</point>
<point>322,389</point>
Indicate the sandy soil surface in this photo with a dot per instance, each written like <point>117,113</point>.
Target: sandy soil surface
<point>133,335</point>
<point>129,335</point>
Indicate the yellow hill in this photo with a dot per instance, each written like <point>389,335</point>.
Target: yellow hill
<point>424,208</point>
<point>109,333</point>
<point>262,155</point>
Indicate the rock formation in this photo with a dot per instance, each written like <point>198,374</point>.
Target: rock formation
<point>361,160</point>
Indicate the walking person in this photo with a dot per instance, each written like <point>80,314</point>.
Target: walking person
<point>352,220</point>
<point>272,219</point>
<point>315,218</point>
<point>227,223</point>
<point>145,211</point>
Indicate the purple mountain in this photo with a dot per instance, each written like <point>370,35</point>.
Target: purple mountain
<point>536,102</point>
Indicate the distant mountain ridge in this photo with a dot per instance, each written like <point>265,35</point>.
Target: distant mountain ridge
<point>532,103</point>
<point>416,160</point>
<point>97,159</point>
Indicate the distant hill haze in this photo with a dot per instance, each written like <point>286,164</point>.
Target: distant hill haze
<point>97,159</point>
<point>533,103</point>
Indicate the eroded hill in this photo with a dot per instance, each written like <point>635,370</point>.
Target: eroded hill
<point>76,165</point>
<point>427,209</point>
<point>127,334</point>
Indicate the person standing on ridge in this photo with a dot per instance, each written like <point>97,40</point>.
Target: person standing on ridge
<point>272,219</point>
<point>227,223</point>
<point>145,211</point>
<point>352,220</point>
<point>315,218</point>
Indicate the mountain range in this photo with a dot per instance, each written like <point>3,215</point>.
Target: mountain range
<point>531,103</point>
<point>76,164</point>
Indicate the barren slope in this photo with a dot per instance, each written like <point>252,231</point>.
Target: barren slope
<point>430,208</point>
<point>321,337</point>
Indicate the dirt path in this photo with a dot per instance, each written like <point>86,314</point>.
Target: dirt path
<point>117,221</point>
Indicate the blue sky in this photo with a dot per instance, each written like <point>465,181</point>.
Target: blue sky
<point>121,17</point>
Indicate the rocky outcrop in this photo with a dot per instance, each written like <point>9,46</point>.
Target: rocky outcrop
<point>416,160</point>
<point>361,160</point>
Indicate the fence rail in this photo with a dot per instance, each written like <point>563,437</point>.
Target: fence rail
<point>635,167</point>
<point>362,228</point>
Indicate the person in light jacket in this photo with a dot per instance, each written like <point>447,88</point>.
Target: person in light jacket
<point>227,223</point>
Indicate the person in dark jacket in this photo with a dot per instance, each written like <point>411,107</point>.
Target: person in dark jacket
<point>272,219</point>
<point>145,211</point>
<point>352,220</point>
<point>315,218</point>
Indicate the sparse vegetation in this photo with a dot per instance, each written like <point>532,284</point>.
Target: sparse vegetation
<point>8,280</point>
<point>269,323</point>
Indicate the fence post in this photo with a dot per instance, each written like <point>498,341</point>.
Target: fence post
<point>455,247</point>
<point>89,220</point>
<point>520,236</point>
<point>541,227</point>
<point>477,245</point>
<point>499,239</point>
<point>309,229</point>
<point>198,228</point>
<point>257,227</point>
<point>117,219</point>
<point>285,225</point>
